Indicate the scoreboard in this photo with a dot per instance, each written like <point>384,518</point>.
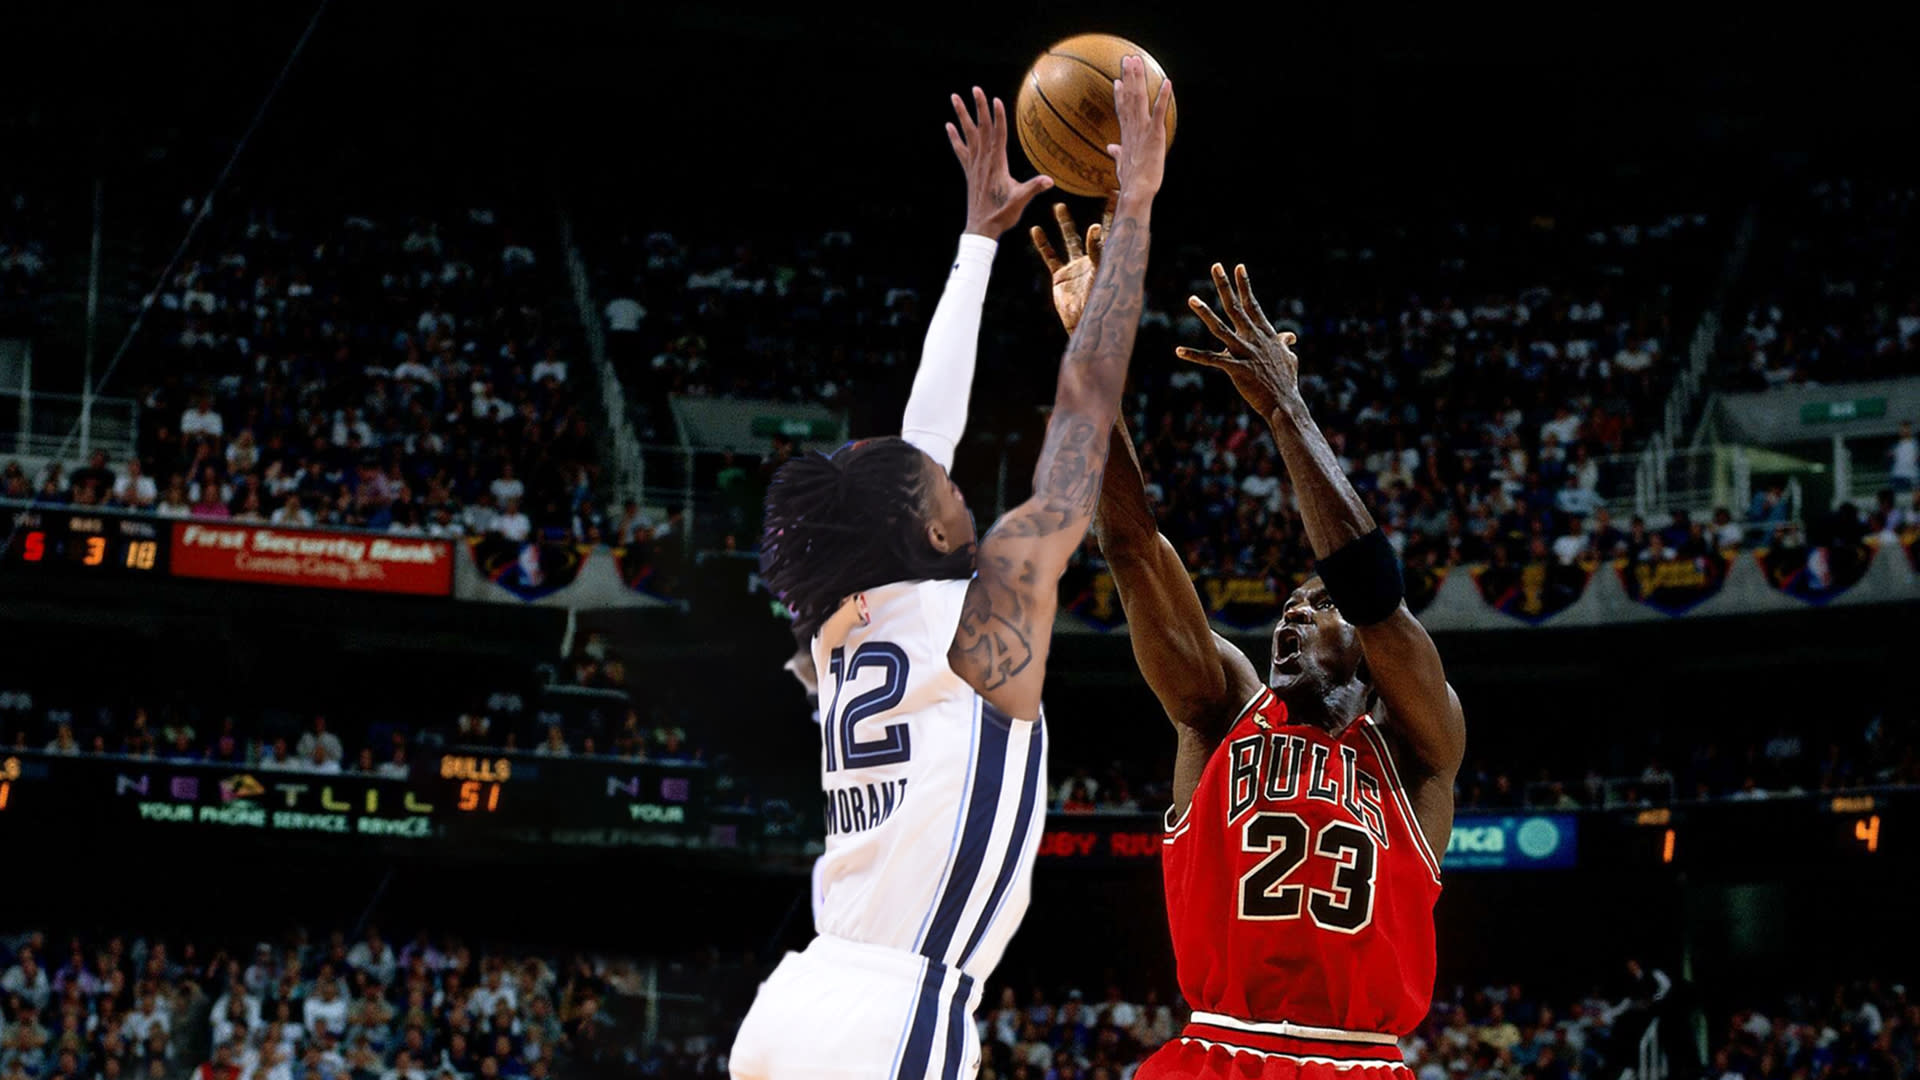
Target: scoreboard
<point>445,797</point>
<point>496,804</point>
<point>60,540</point>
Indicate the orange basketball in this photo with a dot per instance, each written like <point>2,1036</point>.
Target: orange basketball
<point>1065,114</point>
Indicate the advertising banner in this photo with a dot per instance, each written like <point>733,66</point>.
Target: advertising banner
<point>265,555</point>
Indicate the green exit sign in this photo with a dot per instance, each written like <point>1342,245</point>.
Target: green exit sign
<point>796,427</point>
<point>1834,412</point>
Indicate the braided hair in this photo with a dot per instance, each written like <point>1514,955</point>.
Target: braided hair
<point>855,520</point>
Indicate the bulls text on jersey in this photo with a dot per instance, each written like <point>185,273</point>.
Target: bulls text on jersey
<point>1281,767</point>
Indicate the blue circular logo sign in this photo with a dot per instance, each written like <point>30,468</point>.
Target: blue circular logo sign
<point>1538,838</point>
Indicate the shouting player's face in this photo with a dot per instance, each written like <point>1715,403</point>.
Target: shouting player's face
<point>1315,651</point>
<point>950,524</point>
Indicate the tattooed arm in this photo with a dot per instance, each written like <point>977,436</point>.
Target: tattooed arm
<point>1201,679</point>
<point>1006,624</point>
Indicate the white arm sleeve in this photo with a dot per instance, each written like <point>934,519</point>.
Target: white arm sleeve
<point>937,408</point>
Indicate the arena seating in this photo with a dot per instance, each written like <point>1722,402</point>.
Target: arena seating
<point>1865,750</point>
<point>410,376</point>
<point>1836,301</point>
<point>1480,378</point>
<point>143,1005</point>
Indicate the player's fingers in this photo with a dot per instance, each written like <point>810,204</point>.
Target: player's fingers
<point>1096,238</point>
<point>966,121</point>
<point>1045,247</point>
<point>1163,103</point>
<point>981,110</point>
<point>1288,337</point>
<point>1202,357</point>
<point>1023,193</point>
<point>1243,284</point>
<point>999,125</point>
<point>1069,232</point>
<point>959,145</point>
<point>1212,322</point>
<point>1229,302</point>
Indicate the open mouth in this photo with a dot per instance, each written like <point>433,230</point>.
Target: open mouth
<point>1286,650</point>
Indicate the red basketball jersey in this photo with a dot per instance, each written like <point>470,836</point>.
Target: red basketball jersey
<point>1299,886</point>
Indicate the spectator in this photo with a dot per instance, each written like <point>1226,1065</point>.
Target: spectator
<point>374,957</point>
<point>27,980</point>
<point>318,745</point>
<point>555,744</point>
<point>325,1010</point>
<point>1905,458</point>
<point>511,524</point>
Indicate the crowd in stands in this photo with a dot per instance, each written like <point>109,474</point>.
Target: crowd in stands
<point>409,377</point>
<point>584,708</point>
<point>1475,380</point>
<point>794,319</point>
<point>1791,759</point>
<point>1473,404</point>
<point>1495,1032</point>
<point>300,1009</point>
<point>1838,302</point>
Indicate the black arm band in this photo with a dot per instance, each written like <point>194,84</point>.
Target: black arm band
<point>1363,579</point>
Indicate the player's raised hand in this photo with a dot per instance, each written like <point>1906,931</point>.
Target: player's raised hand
<point>1260,359</point>
<point>1073,276</point>
<point>1140,156</point>
<point>994,201</point>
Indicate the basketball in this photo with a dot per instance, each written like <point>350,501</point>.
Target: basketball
<point>1065,114</point>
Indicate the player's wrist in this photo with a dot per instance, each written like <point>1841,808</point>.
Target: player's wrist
<point>1289,411</point>
<point>977,245</point>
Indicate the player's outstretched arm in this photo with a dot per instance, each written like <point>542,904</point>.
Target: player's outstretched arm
<point>1349,548</point>
<point>1006,625</point>
<point>936,414</point>
<point>1199,678</point>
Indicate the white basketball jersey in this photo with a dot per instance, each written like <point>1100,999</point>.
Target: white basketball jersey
<point>934,800</point>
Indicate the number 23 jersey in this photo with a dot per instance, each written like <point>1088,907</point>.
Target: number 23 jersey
<point>934,800</point>
<point>1299,886</point>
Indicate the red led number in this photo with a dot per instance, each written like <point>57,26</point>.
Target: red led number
<point>35,547</point>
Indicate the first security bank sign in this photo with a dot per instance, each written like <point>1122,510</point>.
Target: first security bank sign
<point>1537,842</point>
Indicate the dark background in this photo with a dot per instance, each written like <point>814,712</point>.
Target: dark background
<point>725,119</point>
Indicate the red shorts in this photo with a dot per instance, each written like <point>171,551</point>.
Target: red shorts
<point>1207,1051</point>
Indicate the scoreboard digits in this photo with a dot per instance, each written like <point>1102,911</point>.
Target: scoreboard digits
<point>41,540</point>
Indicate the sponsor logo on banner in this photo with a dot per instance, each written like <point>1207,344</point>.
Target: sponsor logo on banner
<point>1675,586</point>
<point>1423,584</point>
<point>1815,574</point>
<point>1242,600</point>
<point>1538,842</point>
<point>1095,600</point>
<point>360,562</point>
<point>1534,591</point>
<point>529,570</point>
<point>340,805</point>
